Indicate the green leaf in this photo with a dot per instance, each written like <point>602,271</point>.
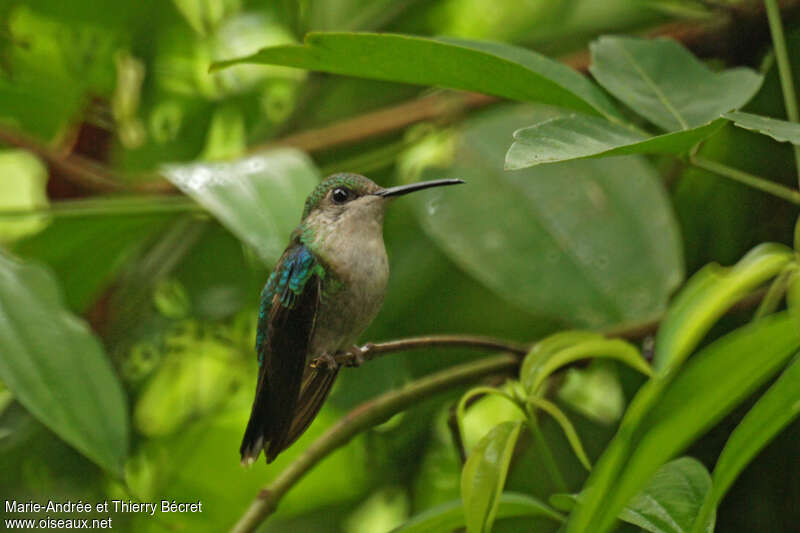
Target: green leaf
<point>709,294</point>
<point>592,243</point>
<point>672,498</point>
<point>665,83</point>
<point>57,369</point>
<point>538,364</point>
<point>491,68</point>
<point>566,426</point>
<point>772,412</point>
<point>593,391</point>
<point>258,198</point>
<point>714,381</point>
<point>484,476</point>
<point>489,406</point>
<point>450,516</point>
<point>24,187</point>
<point>86,252</point>
<point>700,303</point>
<point>780,130</point>
<point>564,501</point>
<point>581,136</point>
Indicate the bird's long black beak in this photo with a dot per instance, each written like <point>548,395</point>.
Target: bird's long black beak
<point>405,189</point>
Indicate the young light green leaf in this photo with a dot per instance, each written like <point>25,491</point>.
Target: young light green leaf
<point>564,223</point>
<point>698,397</point>
<point>450,516</point>
<point>671,500</point>
<point>539,365</point>
<point>772,412</point>
<point>780,130</point>
<point>556,342</point>
<point>258,197</point>
<point>581,136</point>
<point>564,501</point>
<point>700,303</point>
<point>566,426</point>
<point>484,475</point>
<point>491,68</point>
<point>474,392</point>
<point>775,292</point>
<point>711,293</point>
<point>593,391</point>
<point>23,187</point>
<point>665,83</point>
<point>56,368</point>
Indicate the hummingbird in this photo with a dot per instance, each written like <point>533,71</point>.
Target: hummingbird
<point>322,294</point>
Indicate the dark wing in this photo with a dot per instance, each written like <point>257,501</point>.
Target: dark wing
<point>317,383</point>
<point>287,314</point>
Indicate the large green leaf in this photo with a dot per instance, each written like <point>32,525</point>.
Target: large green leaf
<point>259,198</point>
<point>589,242</point>
<point>450,516</point>
<point>487,67</point>
<point>86,252</point>
<point>665,83</point>
<point>780,130</point>
<point>771,413</point>
<point>484,475</point>
<point>57,369</point>
<point>713,382</point>
<point>669,503</point>
<point>581,136</point>
<point>672,498</point>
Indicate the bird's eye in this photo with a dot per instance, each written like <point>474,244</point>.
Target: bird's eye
<point>340,195</point>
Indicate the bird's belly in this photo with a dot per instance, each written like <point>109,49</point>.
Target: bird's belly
<point>345,313</point>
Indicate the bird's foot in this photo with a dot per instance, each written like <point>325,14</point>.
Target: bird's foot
<point>358,354</point>
<point>326,361</point>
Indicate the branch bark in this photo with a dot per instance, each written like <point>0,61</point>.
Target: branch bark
<point>84,172</point>
<point>370,350</point>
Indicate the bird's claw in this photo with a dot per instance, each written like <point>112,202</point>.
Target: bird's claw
<point>326,361</point>
<point>357,355</point>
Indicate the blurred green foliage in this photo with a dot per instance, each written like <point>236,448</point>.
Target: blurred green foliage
<point>152,403</point>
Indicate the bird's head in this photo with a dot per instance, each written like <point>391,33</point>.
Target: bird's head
<point>354,195</point>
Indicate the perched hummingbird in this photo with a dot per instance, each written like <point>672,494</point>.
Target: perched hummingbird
<point>325,290</point>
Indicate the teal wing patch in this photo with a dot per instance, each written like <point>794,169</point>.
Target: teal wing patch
<point>287,281</point>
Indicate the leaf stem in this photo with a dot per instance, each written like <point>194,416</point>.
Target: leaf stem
<point>756,182</point>
<point>366,415</point>
<point>784,69</point>
<point>549,461</point>
<point>566,426</point>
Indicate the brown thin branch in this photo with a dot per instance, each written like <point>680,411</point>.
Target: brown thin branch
<point>84,172</point>
<point>371,350</point>
<point>438,106</point>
